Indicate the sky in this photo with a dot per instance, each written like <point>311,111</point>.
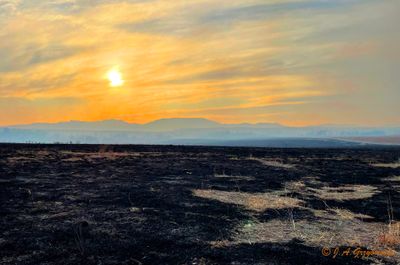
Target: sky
<point>295,62</point>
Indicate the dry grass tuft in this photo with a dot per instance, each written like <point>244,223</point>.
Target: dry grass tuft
<point>234,177</point>
<point>347,192</point>
<point>273,163</point>
<point>394,182</point>
<point>72,159</point>
<point>344,214</point>
<point>103,153</point>
<point>295,186</point>
<point>20,159</point>
<point>253,201</point>
<point>387,165</point>
<point>337,227</point>
<point>393,179</point>
<point>391,236</point>
<point>220,243</point>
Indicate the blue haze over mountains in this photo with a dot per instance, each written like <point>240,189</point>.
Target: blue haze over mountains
<point>190,131</point>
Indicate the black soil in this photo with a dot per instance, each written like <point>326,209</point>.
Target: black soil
<point>134,204</point>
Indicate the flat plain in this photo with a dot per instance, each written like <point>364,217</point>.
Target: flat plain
<point>98,204</point>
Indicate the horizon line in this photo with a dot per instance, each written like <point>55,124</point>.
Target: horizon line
<point>201,118</point>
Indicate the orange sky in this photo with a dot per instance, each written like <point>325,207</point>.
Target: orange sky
<point>293,62</point>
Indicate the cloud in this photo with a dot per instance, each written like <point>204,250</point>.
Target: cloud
<point>226,60</point>
<point>30,84</point>
<point>187,22</point>
<point>38,102</point>
<point>24,57</point>
<point>8,6</point>
<point>71,7</point>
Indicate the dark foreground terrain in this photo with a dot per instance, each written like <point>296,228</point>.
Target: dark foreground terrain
<point>82,204</point>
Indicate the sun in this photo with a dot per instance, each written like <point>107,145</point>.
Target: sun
<point>115,77</point>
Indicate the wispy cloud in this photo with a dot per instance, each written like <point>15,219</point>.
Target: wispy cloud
<point>291,61</point>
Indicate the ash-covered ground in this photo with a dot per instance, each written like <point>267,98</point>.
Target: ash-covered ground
<point>96,204</point>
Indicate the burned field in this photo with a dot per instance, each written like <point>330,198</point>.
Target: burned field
<point>88,204</point>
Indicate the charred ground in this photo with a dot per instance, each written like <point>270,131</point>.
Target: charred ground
<point>94,204</point>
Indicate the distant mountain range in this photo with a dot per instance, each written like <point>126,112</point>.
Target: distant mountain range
<point>157,125</point>
<point>195,131</point>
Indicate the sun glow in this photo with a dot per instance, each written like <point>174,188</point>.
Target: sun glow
<point>115,78</point>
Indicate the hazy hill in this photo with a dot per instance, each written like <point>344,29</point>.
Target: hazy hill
<point>177,124</point>
<point>191,131</point>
